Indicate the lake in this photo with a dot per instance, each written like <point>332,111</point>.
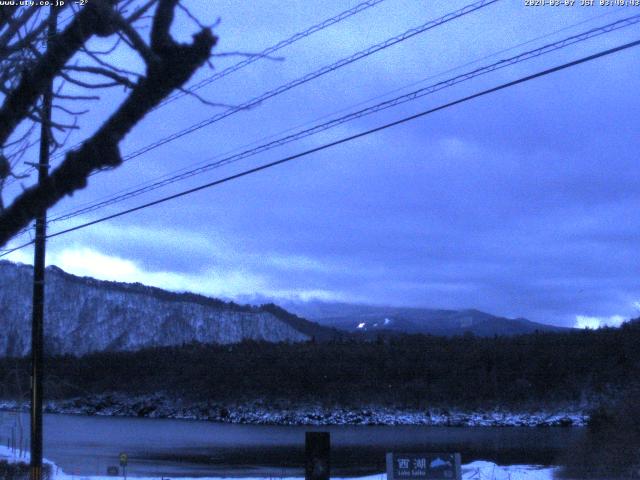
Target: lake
<point>88,445</point>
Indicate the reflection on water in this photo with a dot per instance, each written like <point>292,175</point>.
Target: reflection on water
<point>88,445</point>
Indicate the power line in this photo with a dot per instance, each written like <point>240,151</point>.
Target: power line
<point>595,17</point>
<point>306,78</point>
<point>315,74</point>
<point>344,139</point>
<point>376,108</point>
<point>309,77</point>
<point>274,48</point>
<point>361,7</point>
<point>6,252</point>
<point>207,163</point>
<point>528,55</point>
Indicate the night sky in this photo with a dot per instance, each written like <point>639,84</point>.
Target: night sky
<point>521,203</point>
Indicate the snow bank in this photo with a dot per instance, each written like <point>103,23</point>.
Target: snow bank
<point>491,471</point>
<point>473,471</point>
<point>256,413</point>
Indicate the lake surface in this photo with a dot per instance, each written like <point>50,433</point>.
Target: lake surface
<point>88,445</point>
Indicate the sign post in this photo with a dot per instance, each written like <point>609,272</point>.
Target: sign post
<point>124,459</point>
<point>423,466</point>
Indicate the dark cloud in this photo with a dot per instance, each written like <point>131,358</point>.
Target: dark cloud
<point>521,203</point>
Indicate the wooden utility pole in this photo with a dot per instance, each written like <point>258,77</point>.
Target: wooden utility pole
<point>37,319</point>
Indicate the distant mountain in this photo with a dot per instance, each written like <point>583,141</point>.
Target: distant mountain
<point>368,320</point>
<point>84,315</point>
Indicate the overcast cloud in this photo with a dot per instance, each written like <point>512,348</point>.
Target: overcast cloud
<point>522,203</point>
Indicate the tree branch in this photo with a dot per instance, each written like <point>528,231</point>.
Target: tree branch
<point>176,64</point>
<point>121,79</point>
<point>15,24</point>
<point>91,20</point>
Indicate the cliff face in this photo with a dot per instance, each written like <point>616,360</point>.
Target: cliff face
<point>84,315</point>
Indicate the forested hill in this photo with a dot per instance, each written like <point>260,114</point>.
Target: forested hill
<point>413,371</point>
<point>84,315</point>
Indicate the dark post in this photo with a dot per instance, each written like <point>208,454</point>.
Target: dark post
<point>37,319</point>
<point>317,451</point>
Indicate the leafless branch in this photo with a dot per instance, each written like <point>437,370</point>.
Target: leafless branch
<point>193,18</point>
<point>34,80</point>
<point>108,65</point>
<point>135,41</point>
<point>169,66</point>
<point>105,72</point>
<point>76,97</point>
<point>50,123</point>
<point>74,113</point>
<point>14,24</point>
<point>82,83</point>
<point>109,50</point>
<point>139,13</point>
<point>204,100</point>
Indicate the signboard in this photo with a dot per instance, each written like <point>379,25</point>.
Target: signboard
<point>113,471</point>
<point>124,458</point>
<point>423,466</point>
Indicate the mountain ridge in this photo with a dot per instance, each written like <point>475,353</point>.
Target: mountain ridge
<point>371,320</point>
<point>83,314</point>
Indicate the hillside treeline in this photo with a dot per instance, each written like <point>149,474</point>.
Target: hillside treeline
<point>408,372</point>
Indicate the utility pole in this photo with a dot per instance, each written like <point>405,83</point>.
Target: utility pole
<point>37,319</point>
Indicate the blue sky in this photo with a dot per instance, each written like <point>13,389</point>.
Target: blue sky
<point>521,203</point>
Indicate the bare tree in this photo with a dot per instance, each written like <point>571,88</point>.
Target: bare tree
<point>26,70</point>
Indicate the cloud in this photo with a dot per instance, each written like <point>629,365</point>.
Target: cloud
<point>89,263</point>
<point>85,261</point>
<point>218,282</point>
<point>583,321</point>
<point>456,148</point>
<point>20,256</point>
<point>507,203</point>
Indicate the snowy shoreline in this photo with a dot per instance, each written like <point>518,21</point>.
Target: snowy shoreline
<point>478,470</point>
<point>257,413</point>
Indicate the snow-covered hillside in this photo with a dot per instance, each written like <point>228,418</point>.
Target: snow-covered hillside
<point>84,315</point>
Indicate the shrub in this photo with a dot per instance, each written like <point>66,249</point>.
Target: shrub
<point>610,447</point>
<point>20,471</point>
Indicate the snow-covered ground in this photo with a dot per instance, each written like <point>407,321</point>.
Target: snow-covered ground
<point>158,406</point>
<point>473,471</point>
